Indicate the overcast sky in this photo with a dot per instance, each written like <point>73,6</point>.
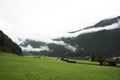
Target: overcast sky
<point>43,19</point>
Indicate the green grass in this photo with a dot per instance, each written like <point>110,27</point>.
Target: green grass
<point>14,67</point>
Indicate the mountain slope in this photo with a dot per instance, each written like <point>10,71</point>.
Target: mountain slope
<point>103,42</point>
<point>7,45</point>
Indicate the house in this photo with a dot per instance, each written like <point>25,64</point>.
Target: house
<point>67,60</point>
<point>108,63</point>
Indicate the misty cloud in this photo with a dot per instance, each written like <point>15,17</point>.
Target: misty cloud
<point>45,47</point>
<point>110,27</point>
<point>30,48</point>
<point>67,46</point>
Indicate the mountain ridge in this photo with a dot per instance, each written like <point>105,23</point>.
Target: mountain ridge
<point>102,23</point>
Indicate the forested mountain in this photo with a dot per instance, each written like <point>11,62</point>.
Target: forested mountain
<point>104,42</point>
<point>7,45</point>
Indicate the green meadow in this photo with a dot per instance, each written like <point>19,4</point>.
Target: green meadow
<point>13,67</point>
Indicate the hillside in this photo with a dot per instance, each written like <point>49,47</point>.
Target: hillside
<point>7,45</point>
<point>105,42</point>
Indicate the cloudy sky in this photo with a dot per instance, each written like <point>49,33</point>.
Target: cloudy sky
<point>45,19</point>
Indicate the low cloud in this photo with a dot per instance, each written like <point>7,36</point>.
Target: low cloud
<point>30,48</point>
<point>45,47</point>
<point>110,27</point>
<point>67,46</point>
<point>72,48</point>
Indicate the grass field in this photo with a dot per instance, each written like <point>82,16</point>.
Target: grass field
<point>14,67</point>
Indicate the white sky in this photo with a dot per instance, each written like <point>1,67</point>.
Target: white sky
<point>44,19</point>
